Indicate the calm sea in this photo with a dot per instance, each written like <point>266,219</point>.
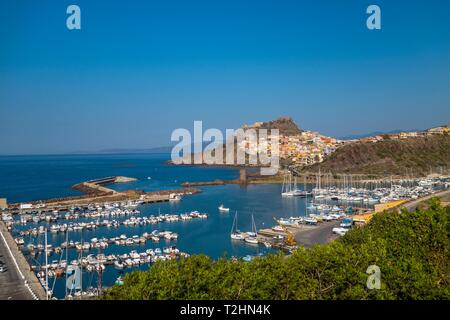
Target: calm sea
<point>26,178</point>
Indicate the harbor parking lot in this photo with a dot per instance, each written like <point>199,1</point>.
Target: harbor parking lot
<point>320,234</point>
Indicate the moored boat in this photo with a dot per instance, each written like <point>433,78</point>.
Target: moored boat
<point>223,209</point>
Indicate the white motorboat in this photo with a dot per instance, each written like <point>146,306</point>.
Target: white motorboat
<point>310,220</point>
<point>278,228</point>
<point>251,240</point>
<point>223,209</point>
<point>340,231</point>
<point>174,197</point>
<point>237,236</point>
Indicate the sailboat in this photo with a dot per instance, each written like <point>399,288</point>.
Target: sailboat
<point>291,190</point>
<point>301,193</point>
<point>235,233</point>
<point>286,189</point>
<point>251,236</point>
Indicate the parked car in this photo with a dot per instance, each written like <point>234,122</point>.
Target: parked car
<point>3,269</point>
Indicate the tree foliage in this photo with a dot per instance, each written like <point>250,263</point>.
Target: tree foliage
<point>411,249</point>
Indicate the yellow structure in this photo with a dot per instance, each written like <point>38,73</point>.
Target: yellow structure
<point>361,219</point>
<point>3,203</point>
<point>388,205</point>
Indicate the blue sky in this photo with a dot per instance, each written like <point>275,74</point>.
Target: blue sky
<point>139,69</point>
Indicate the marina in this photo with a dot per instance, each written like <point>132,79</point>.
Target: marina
<point>106,239</point>
<point>95,224</point>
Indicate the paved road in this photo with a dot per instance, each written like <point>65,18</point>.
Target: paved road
<point>412,205</point>
<point>320,234</point>
<point>11,283</point>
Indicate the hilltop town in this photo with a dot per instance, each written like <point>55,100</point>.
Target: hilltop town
<point>303,148</point>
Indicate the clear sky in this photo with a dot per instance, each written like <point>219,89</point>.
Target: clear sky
<point>139,69</point>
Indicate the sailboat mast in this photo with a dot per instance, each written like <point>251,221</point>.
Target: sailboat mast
<point>67,256</point>
<point>46,264</point>
<point>234,223</point>
<point>81,266</point>
<point>253,224</point>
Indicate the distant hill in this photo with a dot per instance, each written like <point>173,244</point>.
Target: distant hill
<point>375,133</point>
<point>137,150</point>
<point>396,157</point>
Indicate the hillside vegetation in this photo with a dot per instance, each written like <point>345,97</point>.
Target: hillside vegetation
<point>397,157</point>
<point>411,249</point>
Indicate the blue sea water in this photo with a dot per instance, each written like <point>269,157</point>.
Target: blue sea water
<point>26,178</point>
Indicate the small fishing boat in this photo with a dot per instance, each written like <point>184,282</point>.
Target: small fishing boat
<point>223,209</point>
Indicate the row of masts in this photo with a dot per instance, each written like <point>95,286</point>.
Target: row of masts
<point>344,181</point>
<point>75,282</point>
